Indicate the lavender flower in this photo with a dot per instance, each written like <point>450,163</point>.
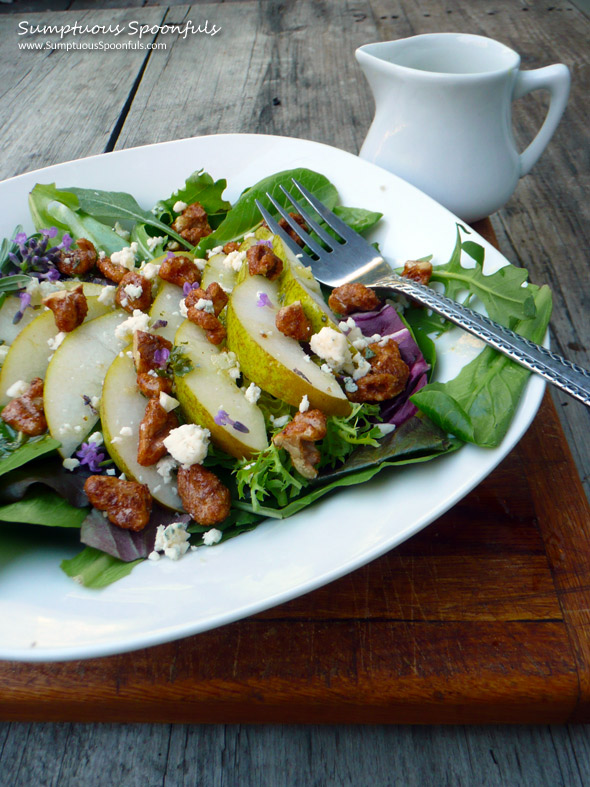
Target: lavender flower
<point>187,287</point>
<point>35,257</point>
<point>159,324</point>
<point>264,243</point>
<point>262,300</point>
<point>222,419</point>
<point>88,403</point>
<point>170,255</point>
<point>161,356</point>
<point>89,454</point>
<point>25,302</point>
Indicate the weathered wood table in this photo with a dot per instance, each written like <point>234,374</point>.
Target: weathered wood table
<point>484,615</point>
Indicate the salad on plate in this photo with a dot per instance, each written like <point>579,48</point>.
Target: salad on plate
<point>171,377</point>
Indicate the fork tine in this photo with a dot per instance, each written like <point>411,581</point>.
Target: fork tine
<point>273,225</point>
<point>328,239</point>
<point>345,232</point>
<point>306,237</point>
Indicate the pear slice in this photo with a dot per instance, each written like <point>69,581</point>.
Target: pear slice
<point>122,405</point>
<point>273,361</point>
<point>166,307</point>
<point>208,389</point>
<point>216,270</point>
<point>30,352</point>
<point>77,369</point>
<point>9,330</point>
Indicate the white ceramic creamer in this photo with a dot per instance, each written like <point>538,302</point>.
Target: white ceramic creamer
<point>443,118</point>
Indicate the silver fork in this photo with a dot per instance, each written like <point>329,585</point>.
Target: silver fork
<point>352,259</point>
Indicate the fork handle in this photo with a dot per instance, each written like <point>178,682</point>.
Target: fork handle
<point>564,374</point>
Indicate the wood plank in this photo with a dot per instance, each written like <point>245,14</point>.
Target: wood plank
<point>58,105</point>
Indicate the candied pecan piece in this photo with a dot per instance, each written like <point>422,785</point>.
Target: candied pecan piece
<point>111,270</point>
<point>203,495</point>
<point>192,224</point>
<point>375,387</point>
<point>352,297</point>
<point>231,246</point>
<point>127,503</point>
<point>387,359</point>
<point>25,412</point>
<point>418,270</point>
<point>134,292</point>
<point>291,321</point>
<point>69,308</point>
<point>152,386</point>
<point>214,330</point>
<point>291,232</point>
<point>77,262</point>
<point>263,261</point>
<point>213,293</point>
<point>149,351</point>
<point>154,428</point>
<point>298,438</point>
<point>179,270</point>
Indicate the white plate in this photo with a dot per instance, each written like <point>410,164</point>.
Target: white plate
<point>45,616</point>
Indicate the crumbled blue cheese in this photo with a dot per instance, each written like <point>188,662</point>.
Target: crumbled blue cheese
<point>200,263</point>
<point>169,403</point>
<point>188,444</point>
<point>133,291</point>
<point>137,322</point>
<point>183,309</point>
<point>362,367</point>
<point>234,260</point>
<point>252,393</point>
<point>172,540</point>
<point>350,385</point>
<point>95,402</point>
<point>205,305</point>
<point>385,429</point>
<point>149,271</point>
<point>55,341</point>
<point>214,251</point>
<point>304,404</point>
<point>227,362</point>
<point>153,242</point>
<point>126,257</point>
<point>212,537</point>
<point>96,438</point>
<point>165,468</point>
<point>107,295</point>
<point>332,346</point>
<point>71,463</point>
<point>111,471</point>
<point>125,431</point>
<point>179,206</point>
<point>121,232</point>
<point>34,290</point>
<point>280,421</point>
<point>17,389</point>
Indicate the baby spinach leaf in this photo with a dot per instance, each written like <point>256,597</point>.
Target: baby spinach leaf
<point>120,206</point>
<point>199,187</point>
<point>501,292</point>
<point>43,507</point>
<point>14,452</point>
<point>487,390</point>
<point>358,219</point>
<point>94,569</point>
<point>244,215</point>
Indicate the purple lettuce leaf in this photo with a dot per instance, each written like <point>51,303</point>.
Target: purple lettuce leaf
<point>387,322</point>
<point>126,545</point>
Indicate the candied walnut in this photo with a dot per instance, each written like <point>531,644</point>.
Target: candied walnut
<point>352,297</point>
<point>152,386</point>
<point>263,261</point>
<point>298,439</point>
<point>25,413</point>
<point>231,246</point>
<point>192,224</point>
<point>387,359</point>
<point>134,292</point>
<point>69,308</point>
<point>291,321</point>
<point>77,262</point>
<point>149,351</point>
<point>203,495</point>
<point>291,232</point>
<point>127,503</point>
<point>111,270</point>
<point>418,270</point>
<point>154,428</point>
<point>179,270</point>
<point>388,376</point>
<point>213,293</point>
<point>214,330</point>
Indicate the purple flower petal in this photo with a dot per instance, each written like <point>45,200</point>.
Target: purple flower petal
<point>170,255</point>
<point>160,324</point>
<point>66,242</point>
<point>49,233</point>
<point>161,357</point>
<point>264,243</point>
<point>222,418</point>
<point>240,427</point>
<point>90,455</point>
<point>187,287</point>
<point>20,239</point>
<point>262,299</point>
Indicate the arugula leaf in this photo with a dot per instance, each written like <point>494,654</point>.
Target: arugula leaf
<point>43,507</point>
<point>95,569</point>
<point>501,292</point>
<point>120,206</point>
<point>244,215</point>
<point>141,236</point>
<point>479,403</point>
<point>198,187</point>
<point>15,453</point>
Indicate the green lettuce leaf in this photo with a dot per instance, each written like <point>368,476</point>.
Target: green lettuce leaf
<point>198,187</point>
<point>14,452</point>
<point>43,507</point>
<point>358,219</point>
<point>95,569</point>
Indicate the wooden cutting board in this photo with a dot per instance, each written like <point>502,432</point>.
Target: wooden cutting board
<point>482,617</point>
